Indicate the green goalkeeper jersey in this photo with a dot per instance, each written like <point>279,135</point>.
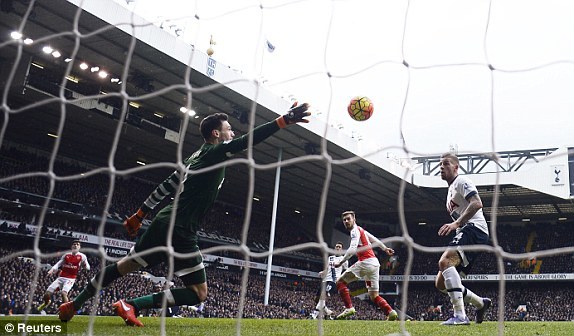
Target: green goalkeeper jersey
<point>201,182</point>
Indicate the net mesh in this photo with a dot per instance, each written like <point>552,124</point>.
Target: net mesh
<point>49,181</point>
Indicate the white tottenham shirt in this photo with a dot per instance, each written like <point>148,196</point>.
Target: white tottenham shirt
<point>333,273</point>
<point>459,191</point>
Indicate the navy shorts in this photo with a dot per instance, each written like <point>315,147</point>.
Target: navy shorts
<point>330,288</point>
<point>468,235</point>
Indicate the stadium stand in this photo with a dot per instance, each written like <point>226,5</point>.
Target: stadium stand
<point>289,298</point>
<point>77,205</point>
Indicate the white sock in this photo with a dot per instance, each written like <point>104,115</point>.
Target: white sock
<point>454,287</point>
<point>320,305</point>
<point>473,299</point>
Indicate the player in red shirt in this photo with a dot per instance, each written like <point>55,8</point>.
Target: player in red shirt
<point>367,268</point>
<point>69,265</point>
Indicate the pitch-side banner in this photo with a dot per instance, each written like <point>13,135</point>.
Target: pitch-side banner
<point>107,242</point>
<point>487,277</point>
<point>120,247</point>
<point>259,266</point>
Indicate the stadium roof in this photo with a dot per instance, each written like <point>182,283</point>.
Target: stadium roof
<point>89,129</point>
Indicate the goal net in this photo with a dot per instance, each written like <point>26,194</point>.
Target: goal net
<point>102,101</point>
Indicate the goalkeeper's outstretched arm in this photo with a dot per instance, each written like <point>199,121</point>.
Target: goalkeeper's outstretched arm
<point>166,188</point>
<point>296,114</point>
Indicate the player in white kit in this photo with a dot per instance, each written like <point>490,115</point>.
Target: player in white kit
<point>329,276</point>
<point>465,207</point>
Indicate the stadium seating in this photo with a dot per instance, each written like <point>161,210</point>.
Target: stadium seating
<point>77,205</point>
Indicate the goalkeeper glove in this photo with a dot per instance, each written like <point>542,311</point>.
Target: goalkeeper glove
<point>294,115</point>
<point>134,223</point>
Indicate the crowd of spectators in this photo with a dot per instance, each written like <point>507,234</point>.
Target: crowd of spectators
<point>77,201</point>
<point>289,298</point>
<point>512,239</point>
<point>57,226</point>
<point>85,196</point>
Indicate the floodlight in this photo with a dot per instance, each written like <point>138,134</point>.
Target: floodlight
<point>16,35</point>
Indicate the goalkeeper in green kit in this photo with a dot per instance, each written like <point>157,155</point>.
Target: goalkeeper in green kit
<point>199,191</point>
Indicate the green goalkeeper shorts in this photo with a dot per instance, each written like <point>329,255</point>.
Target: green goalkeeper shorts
<point>189,268</point>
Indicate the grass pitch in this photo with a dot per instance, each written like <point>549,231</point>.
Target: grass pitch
<point>105,325</point>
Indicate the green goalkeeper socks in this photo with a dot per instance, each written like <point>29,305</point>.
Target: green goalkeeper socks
<point>111,273</point>
<point>142,302</point>
<point>175,297</point>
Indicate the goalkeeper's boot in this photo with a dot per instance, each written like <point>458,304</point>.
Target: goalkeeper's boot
<point>480,312</point>
<point>66,311</point>
<point>346,313</point>
<point>127,312</point>
<point>393,315</point>
<point>43,305</point>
